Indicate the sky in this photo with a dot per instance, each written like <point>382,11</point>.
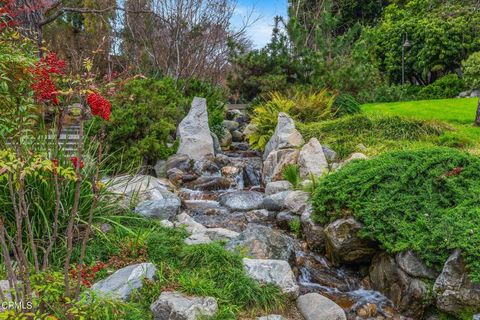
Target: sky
<point>260,32</point>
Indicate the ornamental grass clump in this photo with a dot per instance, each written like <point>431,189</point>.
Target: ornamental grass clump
<point>424,200</point>
<point>48,200</point>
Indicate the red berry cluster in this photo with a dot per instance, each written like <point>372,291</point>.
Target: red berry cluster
<point>75,162</point>
<point>86,274</point>
<point>43,85</point>
<point>7,14</point>
<point>99,105</point>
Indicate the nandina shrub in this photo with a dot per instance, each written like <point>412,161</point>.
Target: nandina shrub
<point>423,200</point>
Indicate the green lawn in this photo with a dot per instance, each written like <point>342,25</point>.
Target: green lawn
<point>460,113</point>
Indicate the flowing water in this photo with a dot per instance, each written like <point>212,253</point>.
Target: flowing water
<point>314,272</point>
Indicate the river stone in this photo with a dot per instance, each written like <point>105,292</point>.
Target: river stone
<point>125,282</point>
<point>230,125</point>
<point>160,169</point>
<point>176,306</point>
<point>184,220</point>
<point>263,242</point>
<point>277,186</point>
<point>311,159</point>
<point>313,233</point>
<point>241,200</point>
<point>216,143</point>
<point>343,245</point>
<point>356,156</point>
<point>283,220</point>
<point>271,317</point>
<point>330,154</point>
<point>275,202</point>
<point>297,202</point>
<point>209,183</point>
<point>276,272</point>
<point>231,114</point>
<point>237,136</point>
<point>411,264</point>
<point>130,189</point>
<point>285,135</point>
<point>261,215</point>
<point>178,161</point>
<point>455,291</point>
<point>164,208</point>
<point>249,129</point>
<point>314,306</point>
<point>222,218</point>
<point>198,238</point>
<point>221,234</point>
<point>411,296</point>
<point>194,133</point>
<point>276,162</point>
<point>226,140</point>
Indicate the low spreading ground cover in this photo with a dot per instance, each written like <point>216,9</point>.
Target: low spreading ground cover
<point>421,200</point>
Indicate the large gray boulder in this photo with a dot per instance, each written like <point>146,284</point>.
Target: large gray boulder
<point>263,242</point>
<point>314,306</point>
<point>285,135</point>
<point>411,296</point>
<point>275,202</point>
<point>176,306</point>
<point>411,264</point>
<point>241,200</point>
<point>313,233</point>
<point>297,202</point>
<point>128,190</point>
<point>275,163</point>
<point>456,293</point>
<point>194,133</point>
<point>276,272</point>
<point>343,245</point>
<point>277,186</point>
<point>312,160</point>
<point>165,207</point>
<point>125,282</point>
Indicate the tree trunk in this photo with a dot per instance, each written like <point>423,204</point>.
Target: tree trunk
<point>477,117</point>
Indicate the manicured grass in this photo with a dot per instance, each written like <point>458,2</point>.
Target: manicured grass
<point>458,112</point>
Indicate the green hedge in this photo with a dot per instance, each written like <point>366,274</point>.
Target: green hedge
<point>425,200</point>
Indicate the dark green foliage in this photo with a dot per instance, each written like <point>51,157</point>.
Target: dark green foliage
<point>344,134</point>
<point>446,87</point>
<point>346,104</point>
<point>391,93</point>
<point>260,71</point>
<point>424,200</point>
<point>442,34</point>
<point>143,120</point>
<point>471,70</point>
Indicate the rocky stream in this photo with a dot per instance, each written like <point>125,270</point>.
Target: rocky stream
<point>223,190</point>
